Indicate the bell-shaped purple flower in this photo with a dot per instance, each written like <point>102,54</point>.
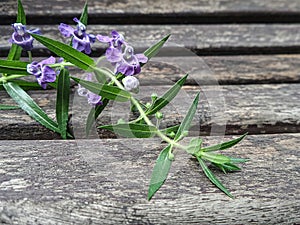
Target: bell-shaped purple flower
<point>93,99</point>
<point>43,73</point>
<point>80,39</point>
<point>129,63</point>
<point>114,51</point>
<point>22,37</point>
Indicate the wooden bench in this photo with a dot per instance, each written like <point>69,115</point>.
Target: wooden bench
<point>243,54</point>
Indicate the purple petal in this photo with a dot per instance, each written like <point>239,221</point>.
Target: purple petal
<point>113,55</point>
<point>93,98</point>
<point>66,30</point>
<point>48,61</point>
<point>48,74</point>
<point>34,69</point>
<point>125,69</point>
<point>35,31</point>
<point>142,58</point>
<point>104,39</point>
<point>92,38</point>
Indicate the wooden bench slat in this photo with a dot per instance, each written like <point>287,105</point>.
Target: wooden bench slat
<point>252,108</point>
<point>89,181</point>
<point>201,39</point>
<point>224,70</point>
<point>169,11</point>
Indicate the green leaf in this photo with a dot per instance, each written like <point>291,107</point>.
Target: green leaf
<point>216,158</point>
<point>8,107</point>
<point>213,179</point>
<point>169,130</point>
<point>109,92</point>
<point>29,106</point>
<point>62,102</point>
<point>161,102</point>
<point>160,171</point>
<point>21,17</point>
<point>15,50</point>
<point>93,115</point>
<point>101,75</point>
<point>131,130</point>
<point>238,160</point>
<point>25,85</point>
<point>13,67</point>
<point>194,145</point>
<point>224,145</point>
<point>84,15</point>
<point>186,123</point>
<point>227,167</point>
<point>153,50</point>
<point>70,54</point>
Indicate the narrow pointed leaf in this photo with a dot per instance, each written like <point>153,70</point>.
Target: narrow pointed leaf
<point>132,130</point>
<point>15,50</point>
<point>213,179</point>
<point>62,102</point>
<point>93,115</point>
<point>186,123</point>
<point>227,167</point>
<point>170,129</point>
<point>153,50</point>
<point>8,107</point>
<point>13,67</point>
<point>84,15</point>
<point>109,92</point>
<point>21,17</point>
<point>216,158</point>
<point>29,106</point>
<point>160,171</point>
<point>238,160</point>
<point>167,97</point>
<point>67,52</point>
<point>194,145</point>
<point>224,145</point>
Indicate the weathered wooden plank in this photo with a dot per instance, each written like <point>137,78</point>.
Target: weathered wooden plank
<point>105,182</point>
<point>241,108</point>
<point>169,11</point>
<point>200,39</point>
<point>212,70</point>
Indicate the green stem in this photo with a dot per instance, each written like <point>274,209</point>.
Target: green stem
<point>142,112</point>
<point>61,64</point>
<point>11,77</point>
<point>29,56</point>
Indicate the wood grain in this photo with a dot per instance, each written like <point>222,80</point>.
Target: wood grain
<point>159,12</point>
<point>200,39</point>
<point>238,108</point>
<point>91,182</point>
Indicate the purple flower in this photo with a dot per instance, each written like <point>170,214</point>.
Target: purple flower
<point>22,37</point>
<point>43,73</point>
<point>114,51</point>
<point>129,63</point>
<point>125,62</point>
<point>93,99</point>
<point>80,39</point>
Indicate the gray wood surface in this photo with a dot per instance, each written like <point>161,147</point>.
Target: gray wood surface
<point>241,108</point>
<point>91,182</point>
<point>169,11</point>
<point>210,70</point>
<point>200,39</point>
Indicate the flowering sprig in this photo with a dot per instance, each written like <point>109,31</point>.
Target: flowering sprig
<point>119,85</point>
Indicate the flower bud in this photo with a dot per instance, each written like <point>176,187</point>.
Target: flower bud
<point>159,115</point>
<point>131,84</point>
